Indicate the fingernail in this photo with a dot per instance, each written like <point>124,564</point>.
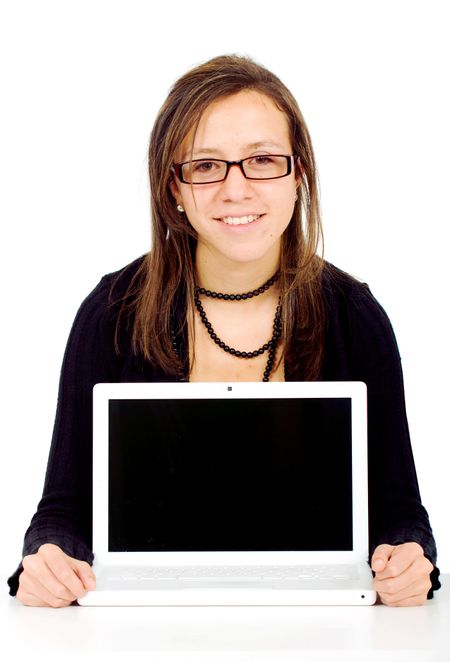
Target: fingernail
<point>378,564</point>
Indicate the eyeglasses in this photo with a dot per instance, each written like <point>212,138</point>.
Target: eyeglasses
<point>208,171</point>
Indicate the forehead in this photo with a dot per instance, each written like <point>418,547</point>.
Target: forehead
<point>243,120</point>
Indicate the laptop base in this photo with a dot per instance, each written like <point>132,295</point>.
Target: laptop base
<point>228,597</point>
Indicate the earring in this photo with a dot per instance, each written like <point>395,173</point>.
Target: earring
<point>180,209</point>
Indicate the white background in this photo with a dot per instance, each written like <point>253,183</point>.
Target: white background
<point>81,83</point>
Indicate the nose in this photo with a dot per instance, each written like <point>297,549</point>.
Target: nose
<point>236,186</point>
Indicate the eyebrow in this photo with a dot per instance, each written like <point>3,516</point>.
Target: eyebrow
<point>212,150</point>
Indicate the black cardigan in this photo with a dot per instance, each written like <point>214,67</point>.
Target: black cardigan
<point>359,345</point>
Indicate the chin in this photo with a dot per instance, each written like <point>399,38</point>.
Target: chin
<point>249,257</point>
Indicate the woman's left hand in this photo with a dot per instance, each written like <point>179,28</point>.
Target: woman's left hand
<point>402,576</point>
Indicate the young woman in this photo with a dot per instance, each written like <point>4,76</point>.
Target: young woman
<point>232,290</point>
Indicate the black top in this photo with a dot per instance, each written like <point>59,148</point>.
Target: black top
<point>359,345</point>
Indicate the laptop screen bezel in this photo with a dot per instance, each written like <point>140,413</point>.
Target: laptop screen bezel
<point>104,392</point>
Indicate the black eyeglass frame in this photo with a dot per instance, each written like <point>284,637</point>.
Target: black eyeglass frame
<point>177,168</point>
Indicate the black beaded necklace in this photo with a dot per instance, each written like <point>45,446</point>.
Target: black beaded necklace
<point>238,297</point>
<point>269,346</point>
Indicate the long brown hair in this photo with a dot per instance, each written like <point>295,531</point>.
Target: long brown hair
<point>169,267</point>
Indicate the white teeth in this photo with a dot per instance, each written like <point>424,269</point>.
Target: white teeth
<point>240,220</point>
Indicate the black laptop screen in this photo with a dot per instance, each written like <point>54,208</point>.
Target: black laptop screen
<point>230,475</point>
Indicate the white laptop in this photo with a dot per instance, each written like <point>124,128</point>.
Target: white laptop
<point>230,494</point>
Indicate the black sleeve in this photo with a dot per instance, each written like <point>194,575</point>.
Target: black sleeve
<point>64,514</point>
<point>396,513</point>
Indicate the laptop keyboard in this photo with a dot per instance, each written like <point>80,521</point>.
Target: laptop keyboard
<point>226,574</point>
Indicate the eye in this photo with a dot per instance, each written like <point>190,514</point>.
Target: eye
<point>261,160</point>
<point>203,166</point>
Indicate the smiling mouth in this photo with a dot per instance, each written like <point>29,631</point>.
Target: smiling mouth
<point>240,220</point>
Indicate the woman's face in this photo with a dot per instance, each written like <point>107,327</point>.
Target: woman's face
<point>243,125</point>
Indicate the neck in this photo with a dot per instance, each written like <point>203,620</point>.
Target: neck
<point>219,274</point>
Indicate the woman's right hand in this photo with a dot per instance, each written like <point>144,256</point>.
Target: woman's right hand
<point>50,578</point>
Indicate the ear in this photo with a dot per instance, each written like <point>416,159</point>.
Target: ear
<point>299,171</point>
<point>175,190</point>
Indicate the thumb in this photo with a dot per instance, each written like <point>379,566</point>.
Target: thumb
<point>380,557</point>
<point>85,573</point>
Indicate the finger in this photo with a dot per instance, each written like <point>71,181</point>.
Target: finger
<point>31,586</point>
<point>59,564</point>
<point>380,557</point>
<point>413,601</point>
<point>85,574</point>
<point>403,557</point>
<point>30,600</point>
<point>36,569</point>
<point>414,580</point>
<point>392,592</point>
